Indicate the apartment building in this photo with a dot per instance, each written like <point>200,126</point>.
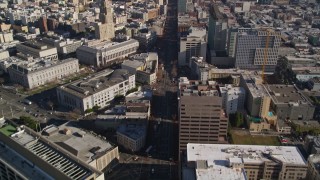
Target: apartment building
<point>250,49</point>
<point>37,50</point>
<point>233,98</point>
<point>96,90</point>
<point>106,53</point>
<point>132,136</point>
<point>202,119</point>
<point>27,155</point>
<point>40,72</point>
<point>194,44</point>
<point>245,162</point>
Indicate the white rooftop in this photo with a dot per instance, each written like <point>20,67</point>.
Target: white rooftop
<point>214,160</point>
<point>248,153</point>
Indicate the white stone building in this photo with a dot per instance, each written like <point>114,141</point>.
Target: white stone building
<point>96,90</point>
<point>40,72</point>
<point>101,54</point>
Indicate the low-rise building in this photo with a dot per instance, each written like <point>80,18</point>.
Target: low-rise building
<point>258,124</point>
<point>40,72</point>
<point>230,161</point>
<point>64,46</point>
<point>89,148</point>
<point>289,103</point>
<point>132,136</point>
<point>144,66</point>
<point>106,53</point>
<point>96,90</point>
<point>37,50</point>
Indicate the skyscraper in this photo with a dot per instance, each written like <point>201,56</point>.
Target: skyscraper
<point>105,31</point>
<point>250,49</point>
<point>218,29</point>
<point>43,25</point>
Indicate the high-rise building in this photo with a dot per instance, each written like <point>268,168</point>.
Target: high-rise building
<point>43,24</point>
<point>250,49</point>
<point>218,30</point>
<point>105,31</point>
<point>202,119</point>
<point>195,44</point>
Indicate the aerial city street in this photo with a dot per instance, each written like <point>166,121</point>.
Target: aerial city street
<point>160,89</point>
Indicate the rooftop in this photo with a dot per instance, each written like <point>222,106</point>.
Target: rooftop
<point>80,143</point>
<point>51,154</point>
<point>96,82</point>
<point>287,94</point>
<point>197,88</point>
<point>23,167</point>
<point>108,45</point>
<point>133,131</point>
<point>254,84</point>
<point>36,64</point>
<point>247,153</point>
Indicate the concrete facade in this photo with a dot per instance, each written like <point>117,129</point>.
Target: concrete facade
<point>132,136</point>
<point>202,119</point>
<point>97,90</point>
<point>37,50</point>
<point>245,162</point>
<point>289,103</point>
<point>104,54</point>
<point>194,44</point>
<point>41,72</point>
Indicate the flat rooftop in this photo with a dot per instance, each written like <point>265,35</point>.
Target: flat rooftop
<point>96,82</point>
<point>107,45</point>
<point>253,83</point>
<point>84,145</point>
<point>52,154</point>
<point>286,94</point>
<point>133,131</point>
<point>23,167</point>
<point>247,153</point>
<point>198,88</point>
<point>38,64</point>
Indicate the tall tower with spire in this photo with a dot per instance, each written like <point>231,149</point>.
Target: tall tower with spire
<point>105,29</point>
